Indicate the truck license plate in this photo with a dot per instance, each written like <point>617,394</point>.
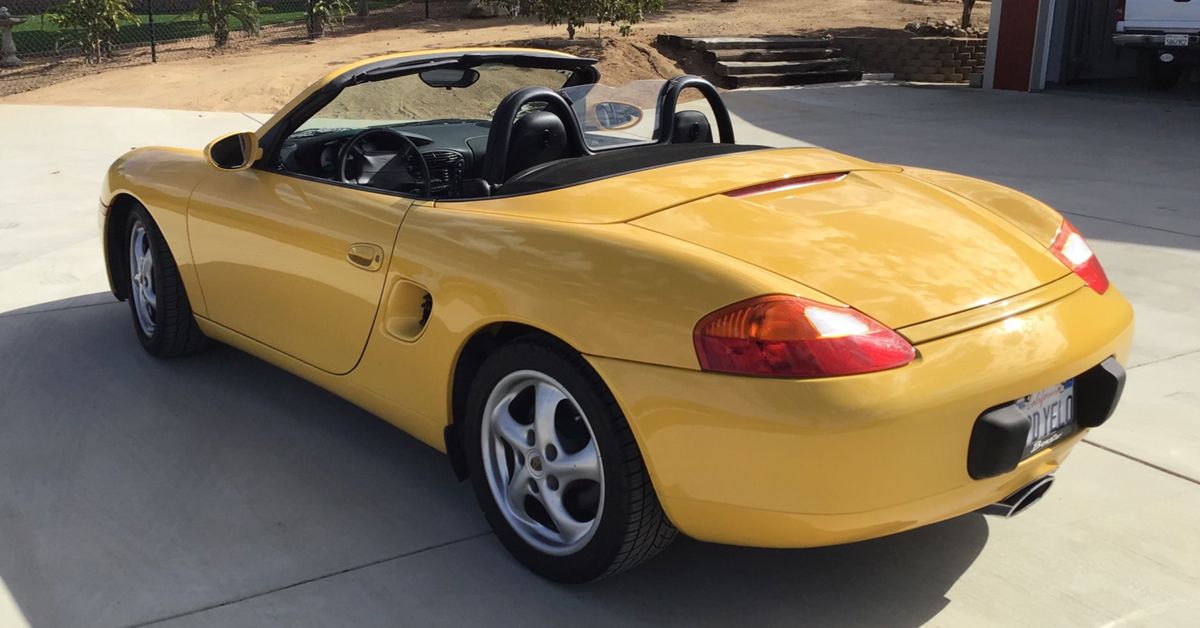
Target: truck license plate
<point>1177,40</point>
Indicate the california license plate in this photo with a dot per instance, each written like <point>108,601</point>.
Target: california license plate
<point>1176,40</point>
<point>1051,414</point>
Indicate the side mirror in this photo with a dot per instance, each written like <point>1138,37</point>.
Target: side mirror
<point>236,151</point>
<point>615,116</point>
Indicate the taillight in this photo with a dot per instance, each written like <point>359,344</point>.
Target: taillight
<point>1071,249</point>
<point>787,336</point>
<point>1120,12</point>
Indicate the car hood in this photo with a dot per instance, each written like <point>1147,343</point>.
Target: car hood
<point>897,248</point>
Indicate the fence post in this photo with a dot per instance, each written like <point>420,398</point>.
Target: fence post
<point>153,43</point>
<point>364,8</point>
<point>427,9</point>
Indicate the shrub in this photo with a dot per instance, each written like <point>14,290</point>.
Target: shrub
<point>218,14</point>
<point>91,24</point>
<point>322,14</point>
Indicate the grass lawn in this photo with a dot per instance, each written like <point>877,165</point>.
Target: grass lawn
<point>39,35</point>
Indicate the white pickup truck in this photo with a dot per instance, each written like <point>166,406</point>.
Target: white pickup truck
<point>1166,35</point>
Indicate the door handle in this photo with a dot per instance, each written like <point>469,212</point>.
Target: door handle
<point>367,256</point>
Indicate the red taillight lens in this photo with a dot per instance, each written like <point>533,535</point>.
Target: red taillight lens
<point>1120,12</point>
<point>786,336</point>
<point>1071,249</point>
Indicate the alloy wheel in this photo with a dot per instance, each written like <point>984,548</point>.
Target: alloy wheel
<point>141,278</point>
<point>542,462</point>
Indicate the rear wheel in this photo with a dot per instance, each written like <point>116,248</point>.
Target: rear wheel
<point>162,316</point>
<point>1155,74</point>
<point>555,467</point>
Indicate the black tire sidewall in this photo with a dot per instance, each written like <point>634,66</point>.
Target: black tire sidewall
<point>594,559</point>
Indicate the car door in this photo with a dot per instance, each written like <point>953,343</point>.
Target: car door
<point>297,264</point>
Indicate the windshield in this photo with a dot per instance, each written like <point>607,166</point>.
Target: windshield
<point>407,99</point>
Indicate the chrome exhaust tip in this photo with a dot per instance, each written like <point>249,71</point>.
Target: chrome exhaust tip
<point>1016,503</point>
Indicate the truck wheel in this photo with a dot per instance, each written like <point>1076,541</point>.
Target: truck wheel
<point>1155,74</point>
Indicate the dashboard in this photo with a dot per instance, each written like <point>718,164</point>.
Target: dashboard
<point>452,149</point>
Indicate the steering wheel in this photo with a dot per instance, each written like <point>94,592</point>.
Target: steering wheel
<point>391,162</point>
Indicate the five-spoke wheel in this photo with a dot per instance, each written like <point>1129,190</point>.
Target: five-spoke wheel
<point>542,462</point>
<point>141,277</point>
<point>162,315</point>
<point>555,466</point>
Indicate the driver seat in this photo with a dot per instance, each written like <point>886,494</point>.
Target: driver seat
<point>519,141</point>
<point>538,137</point>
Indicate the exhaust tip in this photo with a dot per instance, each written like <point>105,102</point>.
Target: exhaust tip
<point>1019,501</point>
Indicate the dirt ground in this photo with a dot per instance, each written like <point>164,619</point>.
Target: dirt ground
<point>262,76</point>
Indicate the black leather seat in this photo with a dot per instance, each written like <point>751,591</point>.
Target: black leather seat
<point>521,139</point>
<point>691,127</point>
<point>538,137</point>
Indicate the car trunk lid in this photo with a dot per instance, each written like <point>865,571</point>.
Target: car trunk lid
<point>900,250</point>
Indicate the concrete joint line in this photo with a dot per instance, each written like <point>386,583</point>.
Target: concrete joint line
<point>1156,467</point>
<point>307,581</point>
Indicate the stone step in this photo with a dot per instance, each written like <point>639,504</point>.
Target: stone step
<point>782,54</point>
<point>743,68</point>
<point>780,80</point>
<point>773,42</point>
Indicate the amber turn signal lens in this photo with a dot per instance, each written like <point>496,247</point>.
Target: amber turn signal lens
<point>791,337</point>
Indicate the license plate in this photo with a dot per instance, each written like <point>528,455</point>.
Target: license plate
<point>1176,40</point>
<point>1051,414</point>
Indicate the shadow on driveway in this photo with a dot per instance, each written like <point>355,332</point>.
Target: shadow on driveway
<point>217,489</point>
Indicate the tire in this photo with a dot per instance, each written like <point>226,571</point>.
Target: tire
<point>1157,75</point>
<point>616,520</point>
<point>162,316</point>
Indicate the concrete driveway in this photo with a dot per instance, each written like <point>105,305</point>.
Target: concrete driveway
<point>216,490</point>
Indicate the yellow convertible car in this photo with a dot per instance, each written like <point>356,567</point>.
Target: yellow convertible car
<point>618,322</point>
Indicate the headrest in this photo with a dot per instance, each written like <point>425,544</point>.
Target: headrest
<point>691,126</point>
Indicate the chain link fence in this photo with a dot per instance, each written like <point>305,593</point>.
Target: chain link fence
<point>165,21</point>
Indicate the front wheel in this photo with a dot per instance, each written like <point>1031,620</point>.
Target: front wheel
<point>555,467</point>
<point>162,316</point>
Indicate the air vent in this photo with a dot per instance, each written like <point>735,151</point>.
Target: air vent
<point>441,158</point>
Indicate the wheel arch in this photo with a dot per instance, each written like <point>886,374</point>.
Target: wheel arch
<point>470,358</point>
<point>113,239</point>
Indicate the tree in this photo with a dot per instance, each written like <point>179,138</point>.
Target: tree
<point>968,7</point>
<point>92,24</point>
<point>219,13</point>
<point>578,13</point>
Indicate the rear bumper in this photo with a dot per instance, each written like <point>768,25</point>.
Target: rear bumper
<point>1155,41</point>
<point>782,463</point>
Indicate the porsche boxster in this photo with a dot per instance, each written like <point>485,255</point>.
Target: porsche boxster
<point>618,322</point>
